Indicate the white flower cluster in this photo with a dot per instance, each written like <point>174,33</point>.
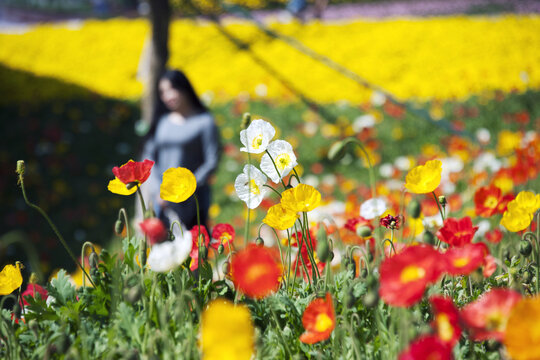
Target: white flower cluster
<point>277,162</point>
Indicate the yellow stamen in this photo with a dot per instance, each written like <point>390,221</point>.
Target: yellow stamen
<point>323,322</point>
<point>412,273</point>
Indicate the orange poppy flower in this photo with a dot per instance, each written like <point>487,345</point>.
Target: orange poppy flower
<point>405,276</point>
<point>464,260</point>
<point>133,171</point>
<point>256,271</point>
<point>445,319</point>
<point>486,317</point>
<point>319,320</point>
<point>457,232</point>
<point>486,200</point>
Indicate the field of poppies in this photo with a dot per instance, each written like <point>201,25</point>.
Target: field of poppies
<point>356,227</point>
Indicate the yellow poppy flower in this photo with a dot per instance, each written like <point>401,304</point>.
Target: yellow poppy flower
<point>178,185</point>
<point>10,279</point>
<point>280,217</point>
<point>424,178</point>
<point>515,218</point>
<point>226,332</point>
<point>301,198</point>
<point>528,201</point>
<point>522,338</point>
<point>117,187</point>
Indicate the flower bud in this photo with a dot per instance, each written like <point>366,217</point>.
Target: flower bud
<point>220,249</point>
<point>350,299</point>
<point>337,151</point>
<point>118,227</point>
<point>428,238</point>
<point>33,278</point>
<point>371,299</point>
<point>20,167</point>
<point>331,256</point>
<point>363,231</point>
<point>93,259</point>
<point>442,200</point>
<point>133,295</point>
<point>225,268</point>
<point>246,120</point>
<point>364,273</point>
<point>259,241</point>
<point>322,245</point>
<point>204,252</point>
<point>525,248</point>
<point>414,209</point>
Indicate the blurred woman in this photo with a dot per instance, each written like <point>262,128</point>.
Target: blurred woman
<point>182,134</point>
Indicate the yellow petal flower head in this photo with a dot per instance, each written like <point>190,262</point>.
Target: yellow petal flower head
<point>226,332</point>
<point>280,217</point>
<point>515,218</point>
<point>301,198</point>
<point>424,178</point>
<point>528,201</point>
<point>10,279</point>
<point>522,338</point>
<point>178,185</point>
<point>117,187</point>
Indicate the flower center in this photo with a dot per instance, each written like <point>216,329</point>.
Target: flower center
<point>412,273</point>
<point>225,237</point>
<point>444,328</point>
<point>253,187</point>
<point>496,321</point>
<point>257,141</point>
<point>461,262</point>
<point>491,202</point>
<point>255,272</point>
<point>323,322</point>
<point>282,161</point>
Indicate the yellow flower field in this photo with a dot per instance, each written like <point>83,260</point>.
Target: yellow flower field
<point>421,58</point>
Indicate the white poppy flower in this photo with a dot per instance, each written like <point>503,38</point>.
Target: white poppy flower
<point>169,255</point>
<point>372,208</point>
<point>249,186</point>
<point>283,155</point>
<point>257,136</point>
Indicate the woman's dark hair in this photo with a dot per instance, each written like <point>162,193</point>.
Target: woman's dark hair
<point>180,82</point>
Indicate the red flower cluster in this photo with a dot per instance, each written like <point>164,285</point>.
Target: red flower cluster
<point>427,347</point>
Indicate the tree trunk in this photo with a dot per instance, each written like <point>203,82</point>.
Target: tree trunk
<point>155,56</point>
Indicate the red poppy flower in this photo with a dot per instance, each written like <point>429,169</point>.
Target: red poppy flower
<point>391,222</point>
<point>464,260</point>
<point>427,347</point>
<point>495,236</point>
<point>32,290</point>
<point>256,271</point>
<point>154,229</point>
<point>404,276</point>
<point>319,320</point>
<point>197,231</point>
<point>457,232</point>
<point>486,200</point>
<point>133,171</point>
<point>445,319</point>
<point>222,234</point>
<point>486,317</point>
